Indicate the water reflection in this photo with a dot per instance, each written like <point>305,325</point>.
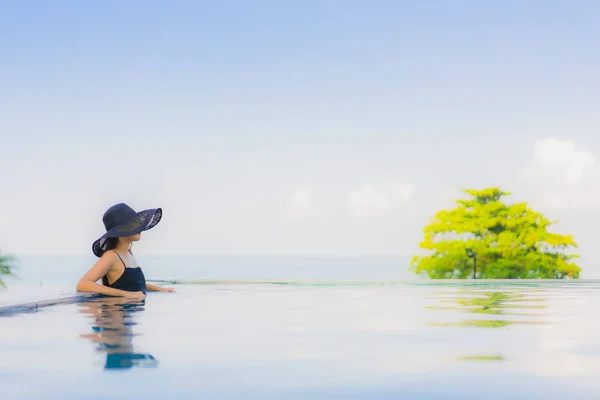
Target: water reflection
<point>499,303</point>
<point>112,322</point>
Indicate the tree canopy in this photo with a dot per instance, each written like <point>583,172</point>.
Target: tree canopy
<point>7,268</point>
<point>508,241</point>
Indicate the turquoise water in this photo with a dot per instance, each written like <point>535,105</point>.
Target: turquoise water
<point>369,341</point>
<point>65,269</point>
<point>43,277</point>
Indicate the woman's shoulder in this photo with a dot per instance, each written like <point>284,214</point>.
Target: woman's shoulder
<point>109,257</point>
<point>106,262</point>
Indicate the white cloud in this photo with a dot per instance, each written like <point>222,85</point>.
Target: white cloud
<point>562,176</point>
<point>562,161</point>
<point>300,199</point>
<point>371,201</point>
<point>405,192</point>
<point>303,204</point>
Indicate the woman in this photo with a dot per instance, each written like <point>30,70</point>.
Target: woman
<point>121,275</point>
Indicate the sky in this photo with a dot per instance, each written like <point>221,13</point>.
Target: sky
<point>296,127</point>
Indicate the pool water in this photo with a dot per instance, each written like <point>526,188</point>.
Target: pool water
<point>312,341</point>
<point>48,277</point>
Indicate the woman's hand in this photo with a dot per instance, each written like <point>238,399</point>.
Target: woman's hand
<point>134,295</point>
<point>156,288</point>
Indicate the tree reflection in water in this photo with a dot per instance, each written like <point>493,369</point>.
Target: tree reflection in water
<point>497,302</point>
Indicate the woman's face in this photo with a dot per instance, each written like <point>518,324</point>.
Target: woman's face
<point>136,237</point>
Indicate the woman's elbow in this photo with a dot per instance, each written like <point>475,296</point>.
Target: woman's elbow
<point>81,285</point>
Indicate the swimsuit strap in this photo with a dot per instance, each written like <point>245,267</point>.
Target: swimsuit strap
<point>120,259</point>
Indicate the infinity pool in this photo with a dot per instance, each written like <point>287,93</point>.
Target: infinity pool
<point>312,341</point>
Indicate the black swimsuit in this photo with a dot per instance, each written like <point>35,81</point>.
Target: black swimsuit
<point>132,279</point>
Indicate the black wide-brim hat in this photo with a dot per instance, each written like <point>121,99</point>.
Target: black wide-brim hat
<point>121,220</point>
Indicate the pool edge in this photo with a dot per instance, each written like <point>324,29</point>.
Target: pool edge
<point>36,305</point>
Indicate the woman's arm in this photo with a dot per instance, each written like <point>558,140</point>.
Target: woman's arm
<point>155,288</point>
<point>88,282</point>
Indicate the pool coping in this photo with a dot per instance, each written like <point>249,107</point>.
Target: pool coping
<point>36,305</point>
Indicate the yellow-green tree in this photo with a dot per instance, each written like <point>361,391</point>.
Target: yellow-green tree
<point>6,268</point>
<point>505,241</point>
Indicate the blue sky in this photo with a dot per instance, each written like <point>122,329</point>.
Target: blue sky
<point>293,127</point>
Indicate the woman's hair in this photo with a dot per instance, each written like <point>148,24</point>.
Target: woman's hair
<point>111,243</point>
